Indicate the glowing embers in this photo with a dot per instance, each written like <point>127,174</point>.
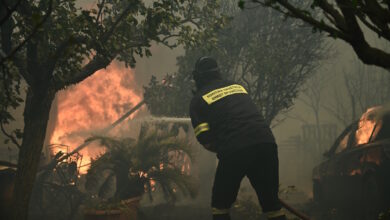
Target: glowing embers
<point>355,172</point>
<point>86,108</point>
<point>368,159</point>
<point>373,156</point>
<point>177,159</point>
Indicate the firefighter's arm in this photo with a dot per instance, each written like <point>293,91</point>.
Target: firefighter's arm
<point>204,136</point>
<point>202,129</point>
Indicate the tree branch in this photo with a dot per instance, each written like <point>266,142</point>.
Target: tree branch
<point>309,19</point>
<point>328,8</point>
<point>70,41</point>
<point>9,11</point>
<point>346,22</point>
<point>378,16</point>
<point>10,136</point>
<point>301,14</point>
<point>106,35</point>
<point>97,63</point>
<point>366,53</point>
<point>100,11</point>
<point>28,38</point>
<point>382,14</point>
<point>100,60</point>
<point>370,25</point>
<point>166,38</point>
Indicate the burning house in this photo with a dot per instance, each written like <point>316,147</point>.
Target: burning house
<point>87,108</point>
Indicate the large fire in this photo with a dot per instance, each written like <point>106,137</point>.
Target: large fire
<point>88,107</point>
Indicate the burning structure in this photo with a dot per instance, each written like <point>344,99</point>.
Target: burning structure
<point>87,108</point>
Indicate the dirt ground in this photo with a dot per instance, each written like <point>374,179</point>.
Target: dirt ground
<point>247,208</point>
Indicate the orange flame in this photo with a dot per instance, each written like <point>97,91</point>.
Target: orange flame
<point>366,126</point>
<point>92,105</point>
<point>355,172</point>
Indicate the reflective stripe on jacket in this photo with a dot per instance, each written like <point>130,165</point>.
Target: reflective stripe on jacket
<point>223,115</point>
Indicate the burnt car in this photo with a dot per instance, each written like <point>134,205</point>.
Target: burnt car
<point>356,172</point>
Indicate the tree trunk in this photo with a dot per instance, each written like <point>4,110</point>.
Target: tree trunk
<point>36,115</point>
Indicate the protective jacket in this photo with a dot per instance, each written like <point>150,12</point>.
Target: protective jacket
<point>224,116</point>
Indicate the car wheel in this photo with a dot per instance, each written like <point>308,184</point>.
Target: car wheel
<point>372,197</point>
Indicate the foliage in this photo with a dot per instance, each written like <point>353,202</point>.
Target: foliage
<point>343,19</point>
<point>171,98</point>
<point>75,42</point>
<point>271,57</point>
<point>50,45</point>
<point>56,193</point>
<point>9,98</point>
<point>137,165</point>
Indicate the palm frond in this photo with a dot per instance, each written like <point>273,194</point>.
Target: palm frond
<point>149,189</point>
<point>113,143</point>
<point>173,179</point>
<point>155,155</point>
<point>95,175</point>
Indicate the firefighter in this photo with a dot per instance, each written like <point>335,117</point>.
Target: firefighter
<point>227,122</point>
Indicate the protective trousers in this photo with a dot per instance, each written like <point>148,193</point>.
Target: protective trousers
<point>260,164</point>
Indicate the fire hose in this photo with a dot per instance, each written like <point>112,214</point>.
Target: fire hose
<point>294,211</point>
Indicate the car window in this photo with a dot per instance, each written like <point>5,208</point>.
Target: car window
<point>367,127</point>
<point>343,143</point>
<point>377,128</point>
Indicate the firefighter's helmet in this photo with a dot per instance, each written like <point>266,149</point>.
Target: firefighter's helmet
<point>206,69</point>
